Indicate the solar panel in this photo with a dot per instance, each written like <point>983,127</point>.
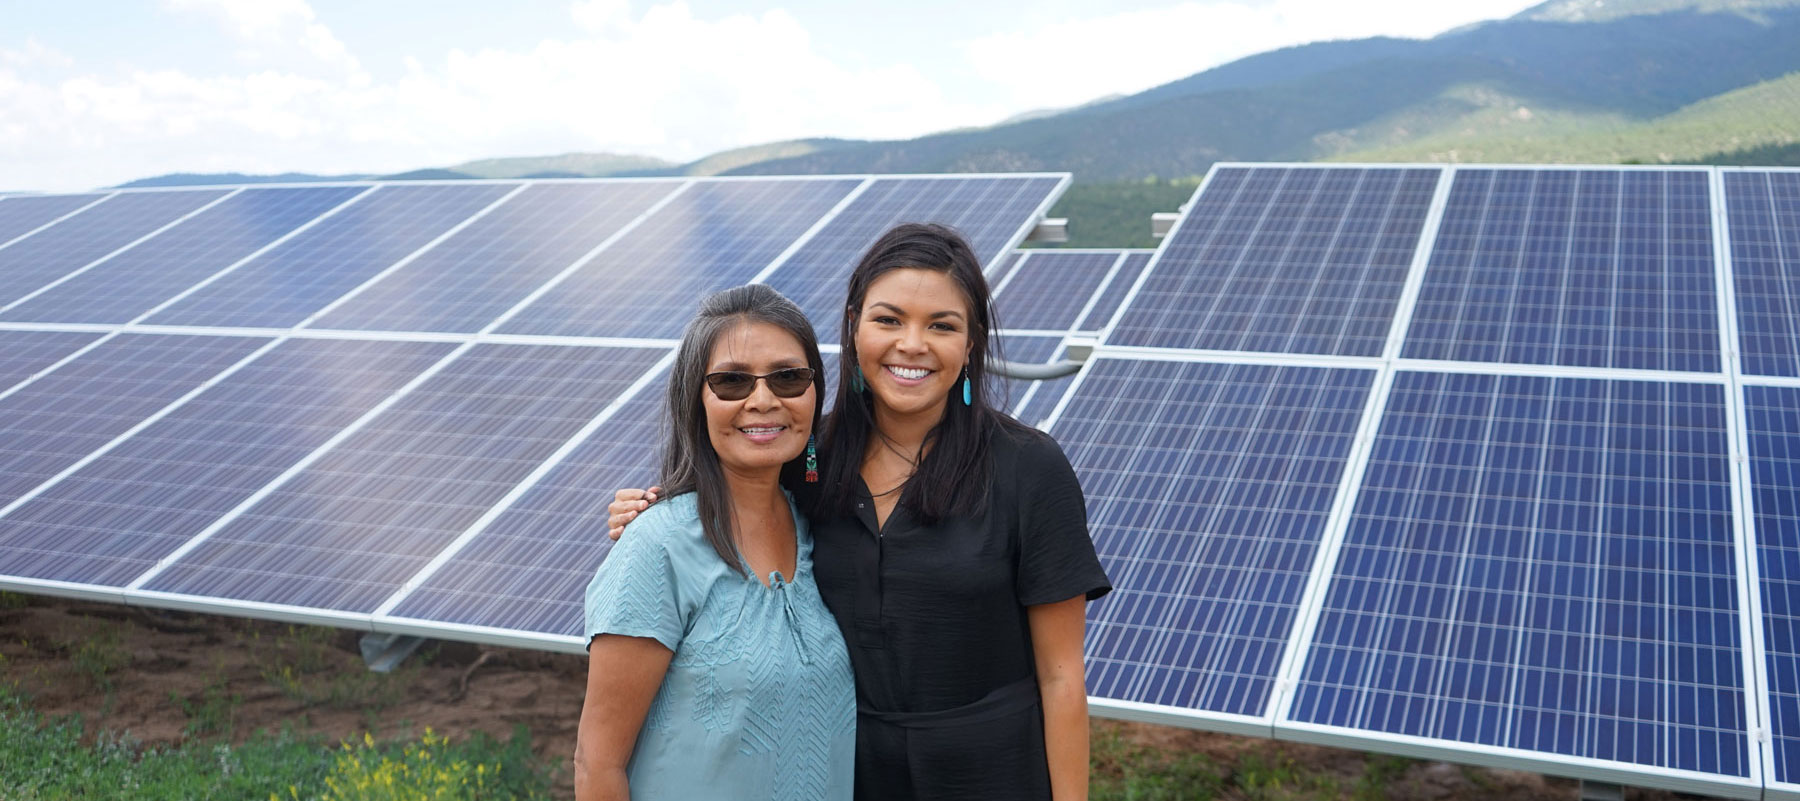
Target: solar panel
<point>1592,268</point>
<point>1051,290</point>
<point>51,423</point>
<point>1284,260</point>
<point>466,282</point>
<point>21,215</point>
<point>527,571</point>
<point>1544,566</point>
<point>343,533</point>
<point>1772,417</point>
<point>1208,487</point>
<point>132,283</point>
<point>288,284</point>
<point>76,241</point>
<point>1112,293</point>
<point>25,353</point>
<point>981,207</point>
<point>1764,213</point>
<point>117,516</point>
<point>709,237</point>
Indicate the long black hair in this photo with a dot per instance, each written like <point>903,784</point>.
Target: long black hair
<point>689,462</point>
<point>952,480</point>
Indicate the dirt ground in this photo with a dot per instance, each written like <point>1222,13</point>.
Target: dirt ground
<point>168,676</point>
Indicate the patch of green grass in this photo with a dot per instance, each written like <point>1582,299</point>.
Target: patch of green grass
<point>98,655</point>
<point>1377,779</point>
<point>14,600</point>
<point>213,713</point>
<point>1125,771</point>
<point>54,760</point>
<point>302,666</point>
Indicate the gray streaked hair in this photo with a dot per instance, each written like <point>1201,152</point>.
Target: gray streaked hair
<point>689,463</point>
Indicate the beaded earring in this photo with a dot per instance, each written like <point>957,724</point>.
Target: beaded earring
<point>812,461</point>
<point>856,380</point>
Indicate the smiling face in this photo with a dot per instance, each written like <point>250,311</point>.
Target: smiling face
<point>762,431</point>
<point>912,340</point>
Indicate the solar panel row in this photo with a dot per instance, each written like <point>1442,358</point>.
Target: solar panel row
<point>1519,567</point>
<point>196,449</point>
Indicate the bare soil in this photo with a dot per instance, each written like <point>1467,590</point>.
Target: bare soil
<point>166,677</point>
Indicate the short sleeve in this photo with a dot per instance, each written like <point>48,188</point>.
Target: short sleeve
<point>635,593</point>
<point>1056,555</point>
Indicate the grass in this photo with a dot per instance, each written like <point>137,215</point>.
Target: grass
<point>56,759</point>
<point>304,666</point>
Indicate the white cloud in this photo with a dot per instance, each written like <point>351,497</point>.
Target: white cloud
<point>663,82</point>
<point>274,29</point>
<point>1078,60</point>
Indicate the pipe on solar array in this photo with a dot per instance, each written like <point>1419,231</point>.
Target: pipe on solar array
<point>1033,372</point>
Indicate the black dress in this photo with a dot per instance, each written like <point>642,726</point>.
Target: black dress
<point>935,620</point>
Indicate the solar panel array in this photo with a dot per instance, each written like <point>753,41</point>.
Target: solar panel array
<point>1460,463</point>
<point>388,406</point>
<point>1487,464</point>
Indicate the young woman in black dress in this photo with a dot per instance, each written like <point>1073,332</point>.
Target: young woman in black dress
<point>951,545</point>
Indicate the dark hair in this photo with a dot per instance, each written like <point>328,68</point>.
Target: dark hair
<point>689,463</point>
<point>952,479</point>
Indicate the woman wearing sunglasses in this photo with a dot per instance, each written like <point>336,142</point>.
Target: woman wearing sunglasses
<point>714,669</point>
<point>952,545</point>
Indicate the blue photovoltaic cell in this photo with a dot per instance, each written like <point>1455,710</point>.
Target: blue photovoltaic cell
<point>472,278</point>
<point>1050,289</point>
<point>1764,213</point>
<point>990,212</point>
<point>1285,260</point>
<point>1773,417</point>
<point>19,215</point>
<point>715,235</point>
<point>346,532</point>
<point>284,286</point>
<point>56,420</point>
<point>25,353</point>
<point>117,516</point>
<point>125,287</point>
<point>32,262</point>
<point>1033,401</point>
<point>1115,292</point>
<point>1003,265</point>
<point>529,569</point>
<point>1590,268</point>
<point>1208,486</point>
<point>1019,350</point>
<point>1545,565</point>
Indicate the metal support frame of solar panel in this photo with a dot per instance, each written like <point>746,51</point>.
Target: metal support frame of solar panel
<point>322,325</point>
<point>1276,721</point>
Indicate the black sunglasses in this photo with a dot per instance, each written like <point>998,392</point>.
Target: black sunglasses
<point>788,382</point>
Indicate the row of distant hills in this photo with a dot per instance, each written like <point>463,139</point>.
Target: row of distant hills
<point>1574,81</point>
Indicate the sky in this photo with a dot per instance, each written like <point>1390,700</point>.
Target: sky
<point>98,93</point>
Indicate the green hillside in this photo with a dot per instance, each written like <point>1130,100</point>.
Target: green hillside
<point>1504,80</point>
<point>567,164</point>
<point>1507,130</point>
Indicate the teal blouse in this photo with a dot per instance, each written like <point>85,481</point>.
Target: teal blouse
<point>758,701</point>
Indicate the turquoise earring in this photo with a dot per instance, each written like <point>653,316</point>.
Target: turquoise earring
<point>856,380</point>
<point>968,399</point>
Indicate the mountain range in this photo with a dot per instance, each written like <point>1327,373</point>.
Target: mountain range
<point>1603,81</point>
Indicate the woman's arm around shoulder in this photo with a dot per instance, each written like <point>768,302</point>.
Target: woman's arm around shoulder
<point>1056,635</point>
